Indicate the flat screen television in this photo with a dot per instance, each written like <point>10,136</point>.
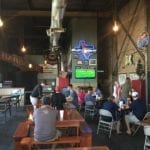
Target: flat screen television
<point>85,73</point>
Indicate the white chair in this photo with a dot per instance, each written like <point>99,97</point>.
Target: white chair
<point>140,123</point>
<point>147,137</point>
<point>103,124</point>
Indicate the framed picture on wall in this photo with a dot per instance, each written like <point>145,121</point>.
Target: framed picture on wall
<point>122,78</point>
<point>86,62</point>
<point>75,56</point>
<point>133,76</point>
<point>92,62</point>
<point>79,62</point>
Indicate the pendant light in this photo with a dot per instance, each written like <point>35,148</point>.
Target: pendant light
<point>23,49</point>
<point>115,26</point>
<point>1,21</point>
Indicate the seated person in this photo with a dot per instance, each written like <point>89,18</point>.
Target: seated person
<point>45,121</point>
<point>100,103</point>
<point>73,95</point>
<point>129,101</point>
<point>89,98</point>
<point>138,108</point>
<point>58,99</point>
<point>98,93</point>
<point>111,106</point>
<point>81,95</point>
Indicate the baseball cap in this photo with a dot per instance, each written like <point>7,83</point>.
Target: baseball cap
<point>135,94</point>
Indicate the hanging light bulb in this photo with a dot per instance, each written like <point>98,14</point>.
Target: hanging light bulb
<point>30,66</point>
<point>1,22</point>
<point>23,49</point>
<point>115,27</point>
<point>45,62</point>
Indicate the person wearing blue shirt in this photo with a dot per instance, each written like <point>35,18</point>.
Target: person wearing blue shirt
<point>98,92</point>
<point>89,98</point>
<point>138,109</point>
<point>73,95</point>
<point>112,107</point>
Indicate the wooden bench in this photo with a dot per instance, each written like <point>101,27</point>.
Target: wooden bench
<point>22,131</point>
<point>28,142</point>
<point>86,134</point>
<point>70,125</point>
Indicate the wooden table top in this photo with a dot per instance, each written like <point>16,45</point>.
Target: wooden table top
<point>22,130</point>
<point>71,117</point>
<point>87,148</point>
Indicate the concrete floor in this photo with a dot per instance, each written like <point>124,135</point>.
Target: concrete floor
<point>117,142</point>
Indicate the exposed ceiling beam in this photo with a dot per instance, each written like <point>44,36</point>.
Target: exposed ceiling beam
<point>28,37</point>
<point>38,13</point>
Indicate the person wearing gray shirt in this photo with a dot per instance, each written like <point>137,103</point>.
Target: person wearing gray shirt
<point>45,121</point>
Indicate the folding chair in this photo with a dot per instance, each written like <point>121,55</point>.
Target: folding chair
<point>147,137</point>
<point>140,123</point>
<point>103,124</point>
<point>4,106</point>
<point>89,109</point>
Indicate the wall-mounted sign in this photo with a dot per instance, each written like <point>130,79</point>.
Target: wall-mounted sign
<point>92,62</point>
<point>84,50</point>
<point>134,76</point>
<point>143,40</point>
<point>122,78</point>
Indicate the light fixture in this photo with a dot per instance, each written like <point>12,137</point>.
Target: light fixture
<point>45,62</point>
<point>30,66</point>
<point>1,22</point>
<point>23,49</point>
<point>115,27</point>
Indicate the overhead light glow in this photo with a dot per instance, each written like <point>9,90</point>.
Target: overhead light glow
<point>30,66</point>
<point>45,62</point>
<point>1,22</point>
<point>115,27</point>
<point>23,49</point>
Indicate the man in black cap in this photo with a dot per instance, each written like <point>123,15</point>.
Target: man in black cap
<point>58,99</point>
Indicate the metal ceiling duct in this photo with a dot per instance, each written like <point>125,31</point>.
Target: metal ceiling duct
<point>57,14</point>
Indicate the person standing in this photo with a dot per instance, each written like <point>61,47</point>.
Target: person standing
<point>126,89</point>
<point>36,93</point>
<point>58,99</point>
<point>117,91</point>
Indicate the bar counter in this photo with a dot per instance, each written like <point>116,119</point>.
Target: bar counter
<point>10,90</point>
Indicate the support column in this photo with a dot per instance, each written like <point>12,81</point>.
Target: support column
<point>147,62</point>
